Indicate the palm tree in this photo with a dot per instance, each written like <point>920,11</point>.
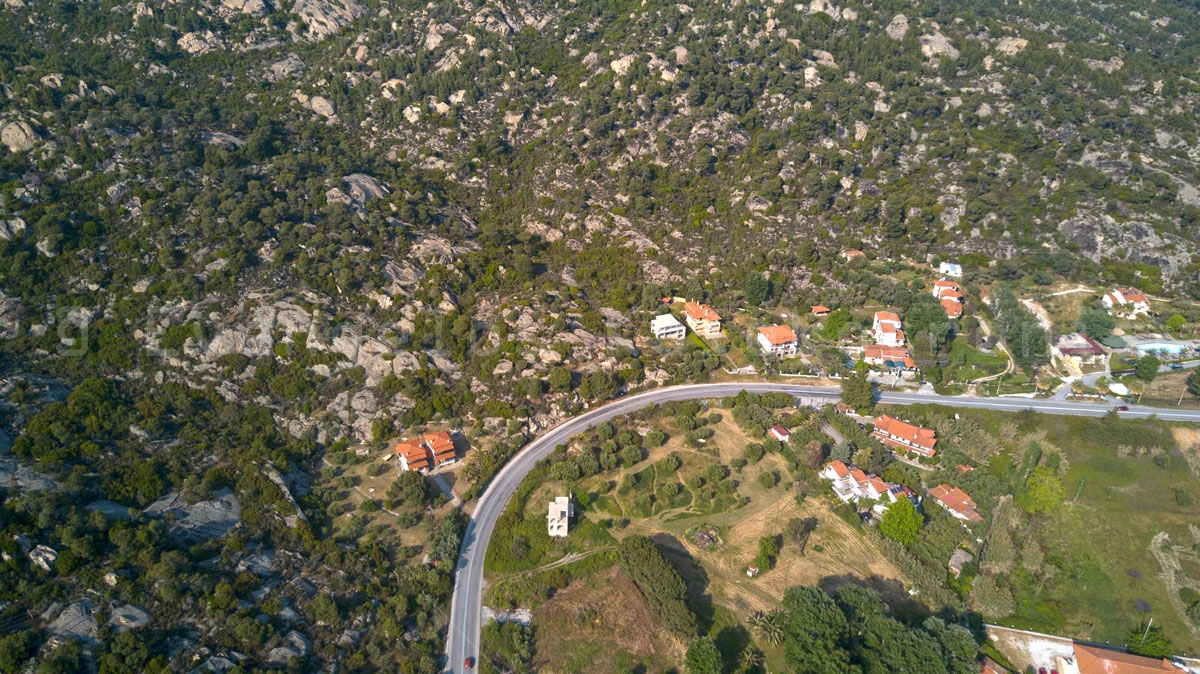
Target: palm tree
<point>769,626</point>
<point>750,660</point>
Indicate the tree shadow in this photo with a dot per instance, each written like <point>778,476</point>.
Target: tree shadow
<point>904,607</point>
<point>731,641</point>
<point>693,574</point>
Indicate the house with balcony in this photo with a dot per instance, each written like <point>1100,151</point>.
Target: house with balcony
<point>441,448</point>
<point>889,357</point>
<point>905,436</point>
<point>413,456</point>
<point>887,330</point>
<point>667,326</point>
<point>778,340</point>
<point>702,319</point>
<point>852,485</point>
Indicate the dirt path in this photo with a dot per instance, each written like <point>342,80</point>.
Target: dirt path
<point>987,330</point>
<point>568,559</point>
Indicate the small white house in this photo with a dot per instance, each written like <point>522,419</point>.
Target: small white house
<point>561,512</point>
<point>667,326</point>
<point>951,269</point>
<point>1127,301</point>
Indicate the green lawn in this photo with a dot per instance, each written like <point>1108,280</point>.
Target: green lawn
<point>1104,580</point>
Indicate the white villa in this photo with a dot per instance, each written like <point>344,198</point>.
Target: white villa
<point>887,329</point>
<point>667,326</point>
<point>561,512</point>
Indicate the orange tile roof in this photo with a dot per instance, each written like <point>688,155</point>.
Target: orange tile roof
<point>887,316</point>
<point>416,456</point>
<point>858,475</point>
<point>778,334</point>
<point>957,500</point>
<point>943,283</point>
<point>892,353</point>
<point>1131,295</point>
<point>953,309</point>
<point>878,484</point>
<point>921,437</point>
<point>853,254</point>
<point>1093,660</point>
<point>700,312</point>
<point>820,309</point>
<point>839,468</point>
<point>441,444</point>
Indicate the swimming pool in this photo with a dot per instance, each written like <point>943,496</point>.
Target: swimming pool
<point>1170,348</point>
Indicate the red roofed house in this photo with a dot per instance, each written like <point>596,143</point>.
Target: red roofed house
<point>894,357</point>
<point>1094,660</point>
<point>778,340</point>
<point>903,435</point>
<point>886,329</point>
<point>780,433</point>
<point>851,255</point>
<point>1129,301</point>
<point>413,456</point>
<point>946,289</point>
<point>441,446</point>
<point>852,484</point>
<point>953,309</point>
<point>956,501</point>
<point>948,294</point>
<point>702,319</point>
<point>820,310</point>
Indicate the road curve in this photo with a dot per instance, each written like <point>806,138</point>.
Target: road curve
<point>466,603</point>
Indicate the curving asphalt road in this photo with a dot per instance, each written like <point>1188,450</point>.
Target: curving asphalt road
<point>466,604</point>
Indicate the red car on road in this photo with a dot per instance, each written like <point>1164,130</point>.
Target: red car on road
<point>469,663</point>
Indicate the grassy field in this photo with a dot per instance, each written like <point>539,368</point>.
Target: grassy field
<point>1128,482</point>
<point>718,585</point>
<point>1170,389</point>
<point>1065,310</point>
<point>601,623</point>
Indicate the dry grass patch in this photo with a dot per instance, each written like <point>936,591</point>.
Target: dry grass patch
<point>1188,441</point>
<point>601,623</point>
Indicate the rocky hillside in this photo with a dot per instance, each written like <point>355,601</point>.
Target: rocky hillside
<point>264,231</point>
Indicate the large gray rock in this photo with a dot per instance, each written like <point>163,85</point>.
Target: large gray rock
<point>18,137</point>
<point>362,188</point>
<point>936,45</point>
<point>323,18</point>
<point>323,107</point>
<point>898,28</point>
<point>199,521</point>
<point>76,622</point>
<point>200,42</point>
<point>129,617</point>
<point>255,8</point>
<point>287,67</point>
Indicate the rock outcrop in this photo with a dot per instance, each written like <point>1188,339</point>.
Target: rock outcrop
<point>898,27</point>
<point>323,18</point>
<point>200,42</point>
<point>18,137</point>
